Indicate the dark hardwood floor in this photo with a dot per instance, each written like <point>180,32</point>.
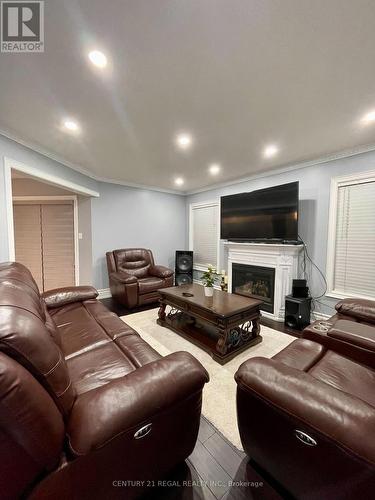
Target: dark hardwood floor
<point>215,470</point>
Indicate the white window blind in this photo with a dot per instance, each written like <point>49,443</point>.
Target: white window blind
<point>354,262</point>
<point>205,234</point>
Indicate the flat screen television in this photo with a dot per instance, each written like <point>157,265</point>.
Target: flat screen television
<point>267,215</point>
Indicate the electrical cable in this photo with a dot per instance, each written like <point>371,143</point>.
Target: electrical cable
<point>305,274</point>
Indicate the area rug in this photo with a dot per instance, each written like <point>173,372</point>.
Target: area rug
<point>219,395</point>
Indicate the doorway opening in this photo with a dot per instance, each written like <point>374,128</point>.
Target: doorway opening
<point>45,225</point>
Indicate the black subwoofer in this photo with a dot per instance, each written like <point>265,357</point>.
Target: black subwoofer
<point>300,289</point>
<point>297,312</point>
<point>184,267</point>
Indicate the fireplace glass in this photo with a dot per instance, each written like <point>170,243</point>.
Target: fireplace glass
<point>255,282</point>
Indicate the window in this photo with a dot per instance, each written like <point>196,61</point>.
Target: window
<point>204,234</point>
<point>351,243</point>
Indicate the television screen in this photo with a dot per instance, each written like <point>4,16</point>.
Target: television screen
<point>266,214</point>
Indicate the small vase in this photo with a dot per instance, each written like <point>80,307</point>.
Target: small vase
<point>208,291</point>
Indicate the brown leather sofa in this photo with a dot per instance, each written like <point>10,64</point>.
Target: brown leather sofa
<point>307,416</point>
<point>85,404</point>
<point>133,277</point>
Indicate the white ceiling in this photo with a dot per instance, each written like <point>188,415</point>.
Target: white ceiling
<point>237,74</point>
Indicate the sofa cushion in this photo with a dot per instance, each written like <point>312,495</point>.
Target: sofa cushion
<point>300,354</point>
<point>346,375</point>
<point>137,350</point>
<point>98,366</point>
<point>148,285</point>
<point>360,309</point>
<point>109,321</point>
<point>135,261</point>
<point>78,329</point>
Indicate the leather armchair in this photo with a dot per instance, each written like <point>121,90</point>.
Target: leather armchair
<point>307,416</point>
<point>87,407</point>
<point>134,278</point>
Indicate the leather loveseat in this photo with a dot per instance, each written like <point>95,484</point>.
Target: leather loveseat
<point>133,277</point>
<point>307,416</point>
<point>347,331</point>
<point>87,408</point>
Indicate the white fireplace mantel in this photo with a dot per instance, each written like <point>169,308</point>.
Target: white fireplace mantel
<point>282,258</point>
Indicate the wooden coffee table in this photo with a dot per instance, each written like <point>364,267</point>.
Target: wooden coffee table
<point>224,325</point>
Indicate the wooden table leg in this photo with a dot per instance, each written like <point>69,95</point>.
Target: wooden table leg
<point>256,327</point>
<point>161,312</point>
<point>222,346</point>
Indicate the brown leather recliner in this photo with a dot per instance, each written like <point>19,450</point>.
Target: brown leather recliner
<point>307,416</point>
<point>133,277</point>
<point>347,331</point>
<point>87,408</point>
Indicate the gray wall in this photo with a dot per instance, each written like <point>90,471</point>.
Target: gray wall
<point>15,151</point>
<point>127,217</point>
<point>314,183</point>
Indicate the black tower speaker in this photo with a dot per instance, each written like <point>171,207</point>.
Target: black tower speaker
<point>300,289</point>
<point>184,267</point>
<point>297,312</point>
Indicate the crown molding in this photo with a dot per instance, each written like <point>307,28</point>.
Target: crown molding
<point>275,171</point>
<point>288,168</point>
<point>78,168</point>
<point>145,187</point>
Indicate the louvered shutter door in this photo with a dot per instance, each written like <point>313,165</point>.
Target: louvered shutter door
<point>205,235</point>
<point>28,239</point>
<point>354,269</point>
<point>58,245</point>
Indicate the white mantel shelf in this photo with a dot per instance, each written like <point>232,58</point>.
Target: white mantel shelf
<point>253,244</point>
<point>282,258</point>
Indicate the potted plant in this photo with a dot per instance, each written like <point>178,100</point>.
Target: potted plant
<point>208,280</point>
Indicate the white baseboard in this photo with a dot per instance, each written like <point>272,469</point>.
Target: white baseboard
<point>104,293</point>
<point>320,316</point>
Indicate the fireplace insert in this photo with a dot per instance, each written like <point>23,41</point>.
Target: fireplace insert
<point>255,282</point>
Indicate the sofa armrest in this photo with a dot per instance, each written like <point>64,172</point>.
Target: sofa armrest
<point>59,297</point>
<point>360,309</point>
<point>357,334</point>
<point>127,403</point>
<point>337,415</point>
<point>160,271</point>
<point>123,278</point>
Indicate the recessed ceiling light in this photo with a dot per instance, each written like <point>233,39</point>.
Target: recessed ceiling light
<point>71,125</point>
<point>214,168</point>
<point>368,118</point>
<point>184,141</point>
<point>270,151</point>
<point>179,181</point>
<point>98,58</point>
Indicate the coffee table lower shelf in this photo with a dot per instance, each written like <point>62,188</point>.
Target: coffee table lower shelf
<point>206,336</point>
